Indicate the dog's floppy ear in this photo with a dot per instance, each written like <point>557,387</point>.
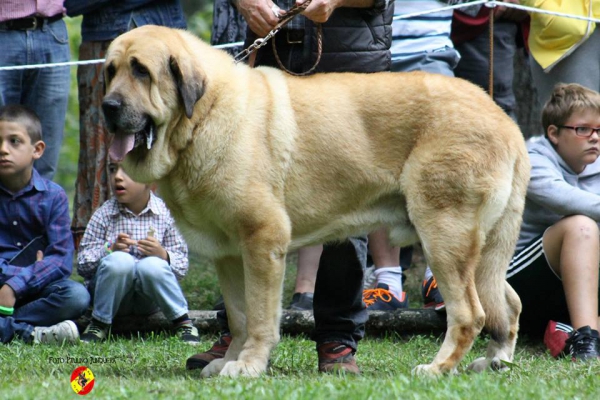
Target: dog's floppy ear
<point>190,84</point>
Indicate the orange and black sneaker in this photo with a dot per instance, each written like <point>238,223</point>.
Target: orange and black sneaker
<point>337,358</point>
<point>381,299</point>
<point>432,298</point>
<point>218,350</point>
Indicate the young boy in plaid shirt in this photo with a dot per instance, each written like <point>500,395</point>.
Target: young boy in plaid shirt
<point>131,256</point>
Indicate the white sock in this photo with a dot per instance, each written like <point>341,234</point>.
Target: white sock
<point>428,273</point>
<point>391,276</point>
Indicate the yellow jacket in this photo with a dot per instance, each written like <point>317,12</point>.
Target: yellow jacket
<point>553,38</point>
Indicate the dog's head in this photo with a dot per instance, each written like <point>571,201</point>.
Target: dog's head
<point>152,87</point>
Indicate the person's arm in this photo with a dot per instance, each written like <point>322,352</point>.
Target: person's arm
<point>177,250</point>
<point>57,257</point>
<point>93,244</point>
<point>548,188</point>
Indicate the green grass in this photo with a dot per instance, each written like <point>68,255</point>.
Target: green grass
<point>154,366</point>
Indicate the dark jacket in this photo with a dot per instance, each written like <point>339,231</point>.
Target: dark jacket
<point>106,19</point>
<point>354,40</point>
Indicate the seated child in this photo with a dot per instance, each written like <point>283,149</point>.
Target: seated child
<point>555,267</point>
<point>37,298</point>
<point>131,256</point>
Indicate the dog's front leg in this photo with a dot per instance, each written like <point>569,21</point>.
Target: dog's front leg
<point>264,266</point>
<point>231,279</point>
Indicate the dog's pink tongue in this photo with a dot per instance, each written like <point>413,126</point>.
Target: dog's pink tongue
<point>121,145</point>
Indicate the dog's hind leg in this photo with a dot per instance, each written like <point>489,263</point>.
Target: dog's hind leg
<point>231,280</point>
<point>453,262</point>
<point>501,304</point>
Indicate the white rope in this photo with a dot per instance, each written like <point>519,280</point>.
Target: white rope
<point>487,3</point>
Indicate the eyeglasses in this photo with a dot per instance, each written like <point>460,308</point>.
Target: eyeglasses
<point>582,131</point>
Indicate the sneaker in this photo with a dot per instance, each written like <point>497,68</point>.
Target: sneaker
<point>188,333</point>
<point>583,344</point>
<point>63,332</point>
<point>337,358</point>
<point>382,299</point>
<point>95,332</point>
<point>555,337</point>
<point>218,350</point>
<point>302,302</point>
<point>432,298</point>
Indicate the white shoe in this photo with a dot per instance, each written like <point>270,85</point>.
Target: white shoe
<point>63,332</point>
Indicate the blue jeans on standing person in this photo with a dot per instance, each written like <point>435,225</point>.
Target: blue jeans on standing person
<point>62,300</point>
<point>44,90</point>
<point>124,285</point>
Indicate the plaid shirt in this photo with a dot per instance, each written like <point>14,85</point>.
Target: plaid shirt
<point>298,22</point>
<point>113,218</point>
<point>40,208</point>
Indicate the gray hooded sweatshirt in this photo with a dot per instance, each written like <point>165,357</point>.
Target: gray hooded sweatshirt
<point>555,191</point>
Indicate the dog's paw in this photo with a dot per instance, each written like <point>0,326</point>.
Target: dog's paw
<point>213,368</point>
<point>427,370</point>
<point>240,368</point>
<point>481,364</point>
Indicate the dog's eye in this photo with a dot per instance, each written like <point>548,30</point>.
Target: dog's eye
<point>110,71</point>
<point>139,70</point>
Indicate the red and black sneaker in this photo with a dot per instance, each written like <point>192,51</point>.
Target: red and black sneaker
<point>218,350</point>
<point>337,358</point>
<point>584,344</point>
<point>382,299</point>
<point>555,338</point>
<point>432,298</point>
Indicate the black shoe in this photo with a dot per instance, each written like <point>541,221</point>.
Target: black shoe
<point>302,302</point>
<point>584,344</point>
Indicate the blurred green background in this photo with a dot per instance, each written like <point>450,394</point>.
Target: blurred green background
<point>199,18</point>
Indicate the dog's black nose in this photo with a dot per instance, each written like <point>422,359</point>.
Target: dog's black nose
<point>111,106</point>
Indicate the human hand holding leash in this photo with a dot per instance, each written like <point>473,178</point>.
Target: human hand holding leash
<point>261,15</point>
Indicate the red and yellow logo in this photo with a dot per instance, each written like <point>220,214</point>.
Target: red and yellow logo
<point>82,380</point>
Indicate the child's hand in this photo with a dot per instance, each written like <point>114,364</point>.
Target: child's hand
<point>151,247</point>
<point>7,296</point>
<point>123,243</point>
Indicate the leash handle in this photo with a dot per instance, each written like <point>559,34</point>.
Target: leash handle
<point>284,19</point>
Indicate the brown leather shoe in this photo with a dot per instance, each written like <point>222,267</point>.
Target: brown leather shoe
<point>218,350</point>
<point>337,358</point>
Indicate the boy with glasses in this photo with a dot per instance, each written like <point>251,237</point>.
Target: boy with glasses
<point>555,267</point>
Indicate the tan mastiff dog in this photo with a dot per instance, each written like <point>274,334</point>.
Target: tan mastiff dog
<point>254,163</point>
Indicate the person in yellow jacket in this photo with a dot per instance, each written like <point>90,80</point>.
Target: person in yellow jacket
<point>564,49</point>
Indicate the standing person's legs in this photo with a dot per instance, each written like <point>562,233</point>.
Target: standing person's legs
<point>46,90</point>
<point>475,61</point>
<point>340,314</point>
<point>582,67</point>
<point>91,187</point>
<point>306,275</point>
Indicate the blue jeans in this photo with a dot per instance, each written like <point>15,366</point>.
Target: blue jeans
<point>124,285</point>
<point>44,90</point>
<point>59,301</point>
